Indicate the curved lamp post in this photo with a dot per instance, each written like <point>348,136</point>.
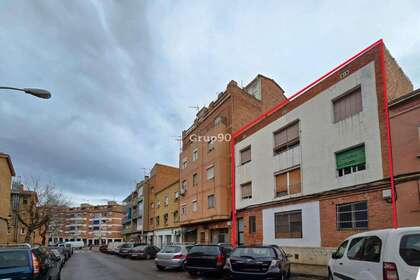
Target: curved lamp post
<point>38,92</point>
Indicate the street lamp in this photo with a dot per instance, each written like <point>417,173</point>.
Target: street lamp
<point>38,92</point>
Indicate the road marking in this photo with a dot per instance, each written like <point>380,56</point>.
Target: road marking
<point>418,275</point>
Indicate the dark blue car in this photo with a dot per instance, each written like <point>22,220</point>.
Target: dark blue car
<point>25,262</point>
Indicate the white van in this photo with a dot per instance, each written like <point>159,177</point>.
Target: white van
<point>389,254</point>
<point>75,244</point>
<point>113,247</point>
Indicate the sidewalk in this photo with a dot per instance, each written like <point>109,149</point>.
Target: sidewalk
<point>313,271</point>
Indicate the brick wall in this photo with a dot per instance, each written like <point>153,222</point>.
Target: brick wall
<point>257,237</point>
<point>379,216</point>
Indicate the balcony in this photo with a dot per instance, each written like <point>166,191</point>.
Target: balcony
<point>126,220</point>
<point>126,231</point>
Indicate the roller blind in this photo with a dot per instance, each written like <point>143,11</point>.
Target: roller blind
<point>351,157</point>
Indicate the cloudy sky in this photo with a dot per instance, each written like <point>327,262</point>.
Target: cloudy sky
<point>124,74</point>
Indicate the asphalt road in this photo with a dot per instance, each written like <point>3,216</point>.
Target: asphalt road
<point>92,265</point>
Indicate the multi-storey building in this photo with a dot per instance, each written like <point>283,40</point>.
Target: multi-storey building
<point>316,169</point>
<point>91,224</point>
<point>167,228</point>
<point>6,173</point>
<point>23,203</point>
<point>405,134</point>
<point>139,207</point>
<point>205,174</point>
<point>136,212</point>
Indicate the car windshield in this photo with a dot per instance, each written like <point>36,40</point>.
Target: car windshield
<point>128,245</point>
<point>205,250</point>
<point>141,247</point>
<point>171,249</point>
<point>10,259</point>
<point>253,253</point>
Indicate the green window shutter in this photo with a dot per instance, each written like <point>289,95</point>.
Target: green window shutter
<point>351,157</point>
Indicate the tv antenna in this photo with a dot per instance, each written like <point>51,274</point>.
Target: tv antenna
<point>196,107</point>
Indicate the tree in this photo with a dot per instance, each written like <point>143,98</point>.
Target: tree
<point>40,209</point>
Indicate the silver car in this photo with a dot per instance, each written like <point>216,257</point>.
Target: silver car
<point>172,257</point>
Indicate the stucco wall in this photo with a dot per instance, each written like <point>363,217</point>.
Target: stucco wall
<point>311,232</point>
<point>320,138</point>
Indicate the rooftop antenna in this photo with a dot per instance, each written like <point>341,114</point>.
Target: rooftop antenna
<point>178,139</point>
<point>196,107</point>
<point>144,171</point>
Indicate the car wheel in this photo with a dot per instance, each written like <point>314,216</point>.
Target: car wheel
<point>192,273</point>
<point>159,267</point>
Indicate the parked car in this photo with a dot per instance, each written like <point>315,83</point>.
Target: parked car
<point>103,248</point>
<point>63,251</point>
<point>116,249</point>
<point>125,249</point>
<point>67,249</point>
<point>381,254</point>
<point>112,247</point>
<point>25,262</point>
<point>257,262</point>
<point>58,257</point>
<point>207,259</point>
<point>75,244</point>
<point>143,251</point>
<point>172,257</point>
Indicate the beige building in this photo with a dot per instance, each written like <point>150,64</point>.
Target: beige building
<point>167,228</point>
<point>23,203</point>
<point>6,174</point>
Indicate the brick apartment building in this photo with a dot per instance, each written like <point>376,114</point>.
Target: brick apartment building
<point>139,207</point>
<point>205,174</point>
<point>316,170</point>
<point>6,173</point>
<point>94,225</point>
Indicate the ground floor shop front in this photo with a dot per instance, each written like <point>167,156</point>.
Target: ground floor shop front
<point>206,233</point>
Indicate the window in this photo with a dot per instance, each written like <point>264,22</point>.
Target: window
<point>184,163</point>
<point>351,160</point>
<point>252,225</point>
<point>195,155</point>
<point>219,120</point>
<point>151,221</point>
<point>25,201</point>
<point>194,205</point>
<point>176,216</point>
<point>246,155</point>
<point>348,105</point>
<point>157,220</point>
<point>246,191</point>
<point>288,224</point>
<point>166,200</point>
<point>240,226</point>
<point>365,249</point>
<point>286,138</point>
<point>210,145</point>
<point>288,182</point>
<point>95,228</point>
<point>210,201</point>
<point>410,249</point>
<point>210,173</point>
<point>195,179</point>
<point>165,218</point>
<point>22,231</point>
<point>158,204</point>
<point>152,205</point>
<point>341,249</point>
<point>352,215</point>
<point>183,186</point>
<point>184,209</point>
